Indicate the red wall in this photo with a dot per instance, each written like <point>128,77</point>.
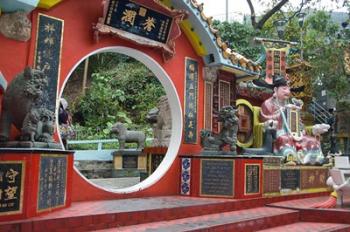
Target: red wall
<point>78,41</point>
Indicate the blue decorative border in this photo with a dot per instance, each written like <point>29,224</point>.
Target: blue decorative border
<point>185,176</point>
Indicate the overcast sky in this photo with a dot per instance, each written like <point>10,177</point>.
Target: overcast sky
<point>237,8</point>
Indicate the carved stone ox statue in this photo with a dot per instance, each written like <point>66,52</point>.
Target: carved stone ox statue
<point>128,136</point>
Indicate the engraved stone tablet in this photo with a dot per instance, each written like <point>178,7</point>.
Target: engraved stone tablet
<point>130,161</point>
<point>290,179</point>
<point>216,177</point>
<point>52,182</point>
<point>252,179</point>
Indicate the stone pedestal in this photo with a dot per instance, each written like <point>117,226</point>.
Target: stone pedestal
<point>34,181</point>
<point>128,163</point>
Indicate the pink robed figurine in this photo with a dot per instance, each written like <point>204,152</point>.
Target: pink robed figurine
<point>291,141</point>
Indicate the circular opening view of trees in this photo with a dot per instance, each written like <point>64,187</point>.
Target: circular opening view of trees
<point>106,90</point>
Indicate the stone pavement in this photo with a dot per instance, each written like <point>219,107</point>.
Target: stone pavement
<point>116,183</point>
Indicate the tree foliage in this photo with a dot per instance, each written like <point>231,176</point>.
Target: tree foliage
<point>321,46</point>
<point>122,89</point>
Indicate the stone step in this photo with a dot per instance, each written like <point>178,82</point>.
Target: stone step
<point>310,226</point>
<point>93,215</point>
<point>104,214</point>
<point>238,221</point>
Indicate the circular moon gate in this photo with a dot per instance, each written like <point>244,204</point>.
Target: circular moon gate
<point>175,107</point>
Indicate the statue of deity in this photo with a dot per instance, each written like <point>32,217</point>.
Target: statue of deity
<point>291,140</point>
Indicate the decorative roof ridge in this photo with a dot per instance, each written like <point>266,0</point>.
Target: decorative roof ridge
<point>227,53</point>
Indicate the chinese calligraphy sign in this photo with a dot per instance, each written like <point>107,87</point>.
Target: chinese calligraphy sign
<point>191,93</point>
<point>52,182</point>
<point>252,179</point>
<point>11,187</point>
<point>48,54</point>
<point>139,20</point>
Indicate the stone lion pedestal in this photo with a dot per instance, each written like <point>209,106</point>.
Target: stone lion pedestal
<point>129,163</point>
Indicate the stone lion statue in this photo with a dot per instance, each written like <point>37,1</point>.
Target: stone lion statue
<point>21,108</point>
<point>227,135</point>
<point>128,136</point>
<point>38,125</point>
<point>160,118</point>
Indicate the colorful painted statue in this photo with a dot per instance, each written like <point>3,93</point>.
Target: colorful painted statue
<point>291,139</point>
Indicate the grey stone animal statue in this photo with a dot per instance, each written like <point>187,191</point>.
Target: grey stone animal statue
<point>128,136</point>
<point>21,108</point>
<point>270,130</point>
<point>227,135</point>
<point>38,125</point>
<point>160,119</point>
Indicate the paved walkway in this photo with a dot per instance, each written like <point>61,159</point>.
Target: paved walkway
<point>116,183</point>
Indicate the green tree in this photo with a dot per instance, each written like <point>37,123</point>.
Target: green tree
<point>121,89</point>
<point>321,46</point>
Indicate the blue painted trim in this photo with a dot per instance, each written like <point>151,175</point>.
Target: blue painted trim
<point>3,82</point>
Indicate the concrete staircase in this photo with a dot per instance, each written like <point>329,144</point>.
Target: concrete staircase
<point>177,213</point>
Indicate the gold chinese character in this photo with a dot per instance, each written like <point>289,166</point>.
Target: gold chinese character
<point>11,175</point>
<point>190,115</point>
<point>10,193</point>
<point>149,24</point>
<point>191,77</point>
<point>190,124</point>
<point>49,40</point>
<point>311,179</point>
<point>142,11</point>
<point>1,176</point>
<point>129,16</point>
<point>322,178</point>
<point>191,105</point>
<point>49,28</point>
<point>190,134</point>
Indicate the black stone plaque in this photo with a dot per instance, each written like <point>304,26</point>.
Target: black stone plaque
<point>52,182</point>
<point>216,177</point>
<point>48,55</point>
<point>156,159</point>
<point>130,161</point>
<point>11,187</point>
<point>139,20</point>
<point>290,179</point>
<point>252,179</point>
<point>191,101</point>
